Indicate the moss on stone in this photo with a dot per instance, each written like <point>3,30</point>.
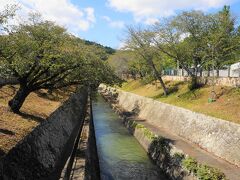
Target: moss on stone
<point>132,124</point>
<point>201,171</point>
<point>139,126</point>
<point>147,133</point>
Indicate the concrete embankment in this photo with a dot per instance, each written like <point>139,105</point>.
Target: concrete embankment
<point>220,81</point>
<point>83,162</point>
<point>186,132</point>
<point>43,153</point>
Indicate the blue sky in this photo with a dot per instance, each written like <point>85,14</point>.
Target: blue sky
<point>104,21</point>
<point>107,32</point>
<point>104,33</point>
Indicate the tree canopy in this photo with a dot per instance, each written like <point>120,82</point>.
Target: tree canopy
<point>193,40</point>
<point>43,55</point>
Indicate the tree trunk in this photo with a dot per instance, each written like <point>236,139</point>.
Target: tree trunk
<point>208,72</point>
<point>18,100</point>
<point>217,72</point>
<point>229,70</point>
<point>158,76</point>
<point>165,90</point>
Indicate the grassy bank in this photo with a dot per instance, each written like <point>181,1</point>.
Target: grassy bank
<point>226,107</point>
<point>37,107</point>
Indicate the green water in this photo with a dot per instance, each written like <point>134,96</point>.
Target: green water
<point>120,154</point>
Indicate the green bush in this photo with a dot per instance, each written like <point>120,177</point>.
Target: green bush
<point>147,133</point>
<point>202,172</point>
<point>190,164</point>
<point>139,126</point>
<point>133,124</point>
<point>208,173</point>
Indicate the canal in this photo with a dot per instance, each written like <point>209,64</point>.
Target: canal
<point>120,154</point>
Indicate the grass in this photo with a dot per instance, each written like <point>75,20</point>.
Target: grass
<point>37,107</point>
<point>226,107</point>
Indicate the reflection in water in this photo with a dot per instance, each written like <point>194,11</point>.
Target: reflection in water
<point>120,155</point>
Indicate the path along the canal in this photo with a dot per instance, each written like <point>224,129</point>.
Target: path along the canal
<point>120,155</point>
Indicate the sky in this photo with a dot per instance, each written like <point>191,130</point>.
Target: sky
<point>105,21</point>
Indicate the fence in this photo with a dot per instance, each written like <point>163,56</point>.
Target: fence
<point>230,71</point>
<point>222,73</point>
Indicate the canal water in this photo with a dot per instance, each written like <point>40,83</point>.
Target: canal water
<point>120,154</point>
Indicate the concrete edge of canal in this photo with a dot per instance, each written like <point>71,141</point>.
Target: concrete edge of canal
<point>54,147</point>
<point>83,163</point>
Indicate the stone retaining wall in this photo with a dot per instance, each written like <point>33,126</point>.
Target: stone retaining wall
<point>220,81</point>
<point>92,160</point>
<point>220,137</point>
<point>43,153</point>
<point>162,151</point>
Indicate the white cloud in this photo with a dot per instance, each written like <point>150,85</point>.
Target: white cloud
<point>114,24</point>
<point>148,10</point>
<point>117,24</point>
<point>122,45</point>
<point>90,14</point>
<point>63,12</point>
<point>106,18</point>
<point>150,21</point>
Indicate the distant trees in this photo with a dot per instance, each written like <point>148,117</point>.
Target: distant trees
<point>120,62</point>
<point>43,55</point>
<point>193,40</point>
<point>139,69</point>
<point>104,52</point>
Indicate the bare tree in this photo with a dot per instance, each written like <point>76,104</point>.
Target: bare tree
<point>141,42</point>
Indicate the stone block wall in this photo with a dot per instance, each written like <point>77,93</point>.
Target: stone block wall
<point>218,136</point>
<point>43,152</point>
<point>220,81</point>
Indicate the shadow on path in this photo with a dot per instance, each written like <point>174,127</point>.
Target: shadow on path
<point>31,117</point>
<point>7,132</point>
<point>2,153</point>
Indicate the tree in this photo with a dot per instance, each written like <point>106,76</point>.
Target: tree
<point>183,39</point>
<point>5,15</point>
<point>198,40</point>
<point>42,55</point>
<point>139,68</point>
<point>222,39</point>
<point>141,42</point>
<point>120,61</point>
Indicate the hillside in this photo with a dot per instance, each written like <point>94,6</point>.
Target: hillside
<point>226,107</point>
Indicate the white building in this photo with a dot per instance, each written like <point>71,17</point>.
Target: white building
<point>235,70</point>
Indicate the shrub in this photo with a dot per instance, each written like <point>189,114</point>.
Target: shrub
<point>202,172</point>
